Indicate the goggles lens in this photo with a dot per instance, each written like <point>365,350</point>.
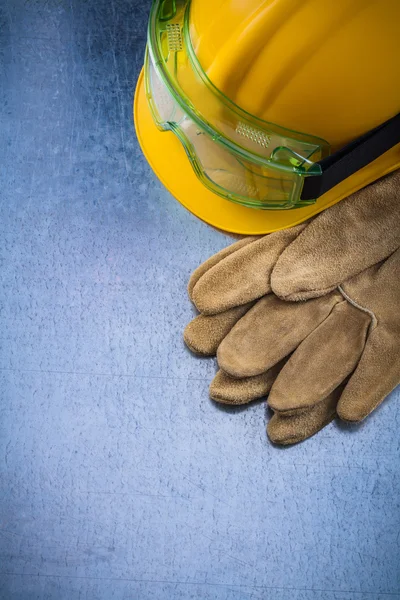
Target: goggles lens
<point>236,155</point>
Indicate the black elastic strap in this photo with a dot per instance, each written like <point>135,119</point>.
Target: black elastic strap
<point>353,157</point>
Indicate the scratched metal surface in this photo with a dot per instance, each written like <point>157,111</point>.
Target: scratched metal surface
<point>119,478</point>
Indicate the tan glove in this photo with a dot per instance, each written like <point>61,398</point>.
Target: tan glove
<point>354,332</point>
<point>359,340</point>
<point>378,203</point>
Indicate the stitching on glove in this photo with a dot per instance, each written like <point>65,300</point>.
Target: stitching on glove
<point>369,312</point>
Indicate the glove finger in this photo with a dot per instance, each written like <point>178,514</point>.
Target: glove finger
<point>342,241</point>
<point>269,331</point>
<point>286,430</point>
<point>204,334</point>
<point>322,361</point>
<point>376,375</point>
<point>242,276</point>
<point>215,259</point>
<point>229,390</point>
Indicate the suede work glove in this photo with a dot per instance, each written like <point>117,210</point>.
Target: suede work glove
<point>353,332</point>
<point>230,277</point>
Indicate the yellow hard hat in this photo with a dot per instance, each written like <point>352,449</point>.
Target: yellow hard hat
<point>282,105</point>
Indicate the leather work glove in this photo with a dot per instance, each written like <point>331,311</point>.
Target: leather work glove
<point>315,260</point>
<point>343,349</point>
<point>353,333</point>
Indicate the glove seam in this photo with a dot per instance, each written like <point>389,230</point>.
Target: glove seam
<point>374,320</point>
